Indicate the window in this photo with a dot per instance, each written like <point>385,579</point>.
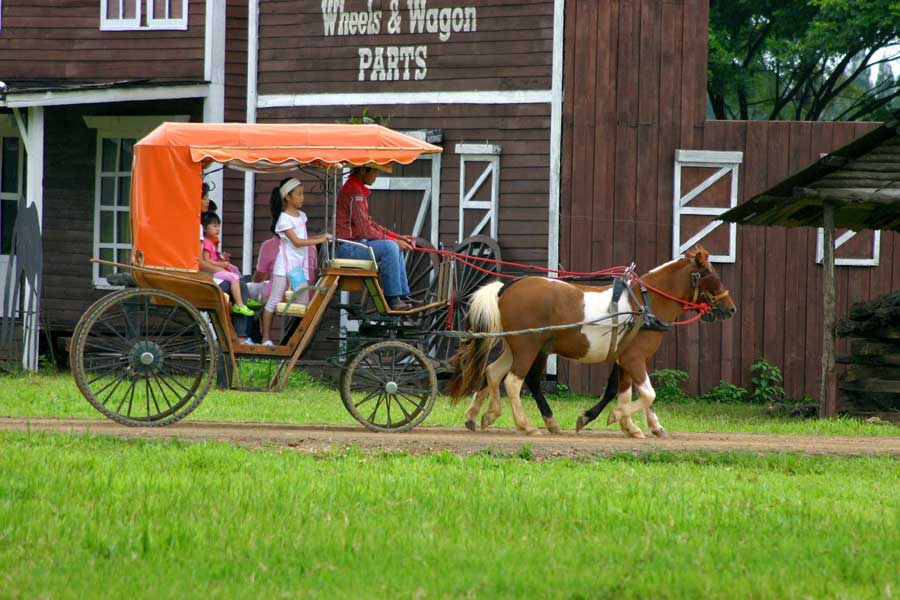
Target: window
<point>112,222</point>
<point>11,176</point>
<point>129,15</point>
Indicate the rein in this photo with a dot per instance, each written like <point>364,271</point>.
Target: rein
<point>625,273</point>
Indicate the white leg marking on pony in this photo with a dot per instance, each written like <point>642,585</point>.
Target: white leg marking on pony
<point>622,414</point>
<point>513,384</point>
<point>496,371</point>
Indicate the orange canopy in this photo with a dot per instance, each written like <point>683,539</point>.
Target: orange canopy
<point>168,164</point>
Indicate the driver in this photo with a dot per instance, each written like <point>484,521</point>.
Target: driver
<point>354,223</point>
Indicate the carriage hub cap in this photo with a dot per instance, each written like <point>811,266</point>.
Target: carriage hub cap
<point>146,357</point>
<point>391,388</point>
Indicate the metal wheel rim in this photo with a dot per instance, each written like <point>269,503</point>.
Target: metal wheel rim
<point>131,352</point>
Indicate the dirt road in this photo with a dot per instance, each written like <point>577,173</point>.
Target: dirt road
<point>311,438</point>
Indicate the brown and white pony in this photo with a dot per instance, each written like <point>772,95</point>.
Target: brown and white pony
<point>535,302</point>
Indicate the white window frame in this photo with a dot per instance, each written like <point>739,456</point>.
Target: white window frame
<point>116,128</point>
<point>143,10</point>
<point>843,239</point>
<point>481,153</point>
<point>8,129</point>
<point>727,163</point>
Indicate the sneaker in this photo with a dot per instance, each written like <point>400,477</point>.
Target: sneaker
<point>268,343</point>
<point>254,303</point>
<point>242,310</point>
<point>412,301</point>
<point>248,342</point>
<point>397,303</point>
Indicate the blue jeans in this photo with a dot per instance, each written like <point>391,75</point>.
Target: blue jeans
<point>390,263</point>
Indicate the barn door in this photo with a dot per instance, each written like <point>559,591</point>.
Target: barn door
<point>706,185</point>
<point>479,188</point>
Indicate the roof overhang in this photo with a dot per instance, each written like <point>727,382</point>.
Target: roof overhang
<point>63,94</point>
<point>860,182</point>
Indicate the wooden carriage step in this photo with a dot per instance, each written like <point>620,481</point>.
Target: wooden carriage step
<point>260,350</point>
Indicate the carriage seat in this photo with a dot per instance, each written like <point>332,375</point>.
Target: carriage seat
<point>354,263</point>
<point>290,310</point>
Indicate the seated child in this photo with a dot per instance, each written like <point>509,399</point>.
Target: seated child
<point>215,263</point>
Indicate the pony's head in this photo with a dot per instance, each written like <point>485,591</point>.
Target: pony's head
<point>707,287</point>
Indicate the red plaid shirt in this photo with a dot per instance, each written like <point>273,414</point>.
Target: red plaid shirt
<point>353,220</point>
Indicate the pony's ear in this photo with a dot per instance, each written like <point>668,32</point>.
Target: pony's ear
<point>699,255</point>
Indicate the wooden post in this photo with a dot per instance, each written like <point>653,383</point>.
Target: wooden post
<point>828,393</point>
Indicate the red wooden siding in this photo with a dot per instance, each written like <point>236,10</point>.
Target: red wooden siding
<point>635,92</point>
<point>48,39</point>
<point>522,131</point>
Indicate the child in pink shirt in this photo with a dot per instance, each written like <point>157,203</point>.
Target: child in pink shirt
<point>214,262</point>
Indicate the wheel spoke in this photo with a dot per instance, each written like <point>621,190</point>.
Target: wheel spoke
<point>375,410</point>
<point>368,397</point>
<point>412,401</point>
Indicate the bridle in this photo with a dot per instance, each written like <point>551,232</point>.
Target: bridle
<point>700,293</point>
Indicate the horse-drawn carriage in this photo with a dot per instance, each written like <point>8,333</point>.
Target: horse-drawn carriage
<point>147,355</point>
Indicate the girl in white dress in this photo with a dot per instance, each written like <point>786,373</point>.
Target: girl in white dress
<point>289,224</point>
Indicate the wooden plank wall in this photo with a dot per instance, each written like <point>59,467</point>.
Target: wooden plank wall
<point>635,74</point>
<point>523,132</point>
<point>48,39</point>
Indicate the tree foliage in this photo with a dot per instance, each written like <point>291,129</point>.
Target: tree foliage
<point>803,59</point>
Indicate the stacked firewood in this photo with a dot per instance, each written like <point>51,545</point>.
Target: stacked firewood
<point>871,383</point>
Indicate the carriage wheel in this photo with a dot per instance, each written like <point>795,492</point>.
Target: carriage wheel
<point>143,357</point>
<point>389,386</point>
<point>466,282</point>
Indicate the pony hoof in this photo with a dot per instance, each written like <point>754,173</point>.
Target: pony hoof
<point>613,417</point>
<point>552,426</point>
<point>485,422</point>
<point>638,435</point>
<point>581,423</point>
<point>660,433</point>
<point>533,431</point>
<point>470,425</point>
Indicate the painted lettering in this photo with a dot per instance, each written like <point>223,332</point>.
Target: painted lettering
<point>421,55</point>
<point>365,61</point>
<point>330,11</point>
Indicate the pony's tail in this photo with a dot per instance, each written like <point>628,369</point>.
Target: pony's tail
<point>470,361</point>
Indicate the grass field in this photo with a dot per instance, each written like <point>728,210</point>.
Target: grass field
<point>91,516</point>
<point>306,402</point>
<point>87,517</point>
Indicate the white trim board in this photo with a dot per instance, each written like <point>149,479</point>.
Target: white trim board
<point>385,98</point>
<point>136,94</point>
<point>249,176</point>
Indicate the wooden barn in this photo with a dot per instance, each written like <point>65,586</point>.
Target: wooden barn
<point>574,132</point>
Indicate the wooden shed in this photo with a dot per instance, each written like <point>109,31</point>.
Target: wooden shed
<point>855,188</point>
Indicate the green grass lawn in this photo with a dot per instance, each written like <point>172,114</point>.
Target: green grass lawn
<point>84,516</point>
<point>304,402</point>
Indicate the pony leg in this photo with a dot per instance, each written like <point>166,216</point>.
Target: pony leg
<point>653,423</point>
<point>495,374</point>
<point>617,378</point>
<point>513,383</point>
<point>475,407</point>
<point>626,408</point>
<point>533,382</point>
